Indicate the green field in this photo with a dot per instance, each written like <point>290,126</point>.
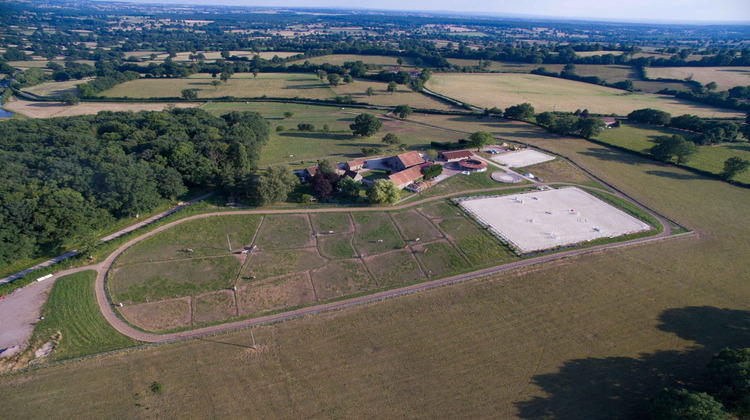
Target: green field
<point>380,60</point>
<point>292,146</point>
<point>205,237</point>
<point>72,311</point>
<point>241,85</point>
<point>55,89</point>
<point>146,282</point>
<point>402,96</point>
<point>550,93</point>
<point>725,77</point>
<point>594,336</point>
<point>640,137</point>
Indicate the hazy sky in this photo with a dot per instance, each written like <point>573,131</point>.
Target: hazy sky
<point>641,10</point>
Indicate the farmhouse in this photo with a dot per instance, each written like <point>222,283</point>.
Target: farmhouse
<point>353,175</point>
<point>406,177</point>
<point>609,121</point>
<point>355,165</point>
<point>309,172</point>
<point>455,155</point>
<point>405,160</point>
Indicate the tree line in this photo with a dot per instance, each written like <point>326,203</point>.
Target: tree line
<point>63,179</point>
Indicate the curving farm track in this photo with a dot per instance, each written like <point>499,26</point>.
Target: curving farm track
<point>124,328</point>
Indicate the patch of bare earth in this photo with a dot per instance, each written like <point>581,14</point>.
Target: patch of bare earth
<point>162,315</point>
<point>394,268</point>
<point>341,278</point>
<point>214,306</point>
<point>271,294</point>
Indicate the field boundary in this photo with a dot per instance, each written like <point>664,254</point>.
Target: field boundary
<point>128,330</point>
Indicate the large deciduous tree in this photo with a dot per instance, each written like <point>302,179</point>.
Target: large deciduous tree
<point>365,125</point>
<point>403,111</point>
<point>522,111</point>
<point>735,165</point>
<point>189,94</point>
<point>590,127</point>
<point>684,404</point>
<point>274,185</point>
<point>729,371</point>
<point>669,147</point>
<point>480,139</point>
<point>383,191</point>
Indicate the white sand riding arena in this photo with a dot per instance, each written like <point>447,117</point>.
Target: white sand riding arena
<point>550,219</point>
<point>522,158</point>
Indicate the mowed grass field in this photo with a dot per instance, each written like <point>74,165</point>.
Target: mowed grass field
<point>71,311</point>
<point>549,93</point>
<point>640,137</point>
<point>55,89</point>
<point>594,336</point>
<point>402,96</point>
<point>725,77</point>
<point>241,85</point>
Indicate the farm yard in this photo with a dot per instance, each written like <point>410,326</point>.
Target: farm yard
<point>549,93</point>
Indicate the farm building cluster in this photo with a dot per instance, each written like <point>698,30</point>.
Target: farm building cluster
<point>406,170</point>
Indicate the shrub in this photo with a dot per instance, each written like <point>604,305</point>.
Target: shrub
<point>156,387</point>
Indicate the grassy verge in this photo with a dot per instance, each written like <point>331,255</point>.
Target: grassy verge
<point>71,311</point>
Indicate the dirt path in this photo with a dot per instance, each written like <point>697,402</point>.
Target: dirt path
<point>125,329</point>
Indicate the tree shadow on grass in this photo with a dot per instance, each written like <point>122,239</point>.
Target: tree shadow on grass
<point>314,135</point>
<point>612,155</point>
<point>621,387</point>
<point>744,147</point>
<point>675,175</point>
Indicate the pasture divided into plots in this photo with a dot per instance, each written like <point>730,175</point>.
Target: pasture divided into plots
<point>225,267</point>
<point>555,94</point>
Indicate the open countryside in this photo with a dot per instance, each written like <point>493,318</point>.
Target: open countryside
<point>220,211</point>
<point>551,94</point>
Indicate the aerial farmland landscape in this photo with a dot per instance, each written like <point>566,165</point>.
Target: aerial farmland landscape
<point>478,210</point>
